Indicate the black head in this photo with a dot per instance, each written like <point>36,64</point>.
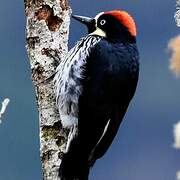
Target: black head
<point>114,25</point>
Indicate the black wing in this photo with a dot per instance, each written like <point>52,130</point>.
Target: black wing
<point>111,79</point>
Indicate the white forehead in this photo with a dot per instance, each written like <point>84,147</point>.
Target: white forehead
<point>98,15</point>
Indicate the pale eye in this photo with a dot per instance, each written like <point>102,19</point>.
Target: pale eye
<point>102,22</point>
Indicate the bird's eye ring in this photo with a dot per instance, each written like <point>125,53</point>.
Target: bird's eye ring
<point>102,22</point>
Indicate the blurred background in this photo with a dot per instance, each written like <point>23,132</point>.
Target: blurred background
<point>142,149</point>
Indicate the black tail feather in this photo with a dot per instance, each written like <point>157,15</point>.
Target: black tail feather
<point>73,168</point>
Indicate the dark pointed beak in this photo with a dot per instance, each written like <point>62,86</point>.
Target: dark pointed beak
<point>85,20</point>
<point>89,22</point>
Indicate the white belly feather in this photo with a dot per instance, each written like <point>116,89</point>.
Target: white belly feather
<point>68,78</point>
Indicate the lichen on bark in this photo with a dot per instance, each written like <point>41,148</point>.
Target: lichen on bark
<point>177,14</point>
<point>47,31</point>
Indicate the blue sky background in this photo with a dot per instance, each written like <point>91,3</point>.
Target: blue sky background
<point>142,149</point>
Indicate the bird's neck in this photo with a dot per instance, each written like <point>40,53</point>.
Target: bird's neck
<point>120,35</point>
<point>122,39</point>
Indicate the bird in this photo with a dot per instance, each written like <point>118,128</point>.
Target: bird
<point>94,85</point>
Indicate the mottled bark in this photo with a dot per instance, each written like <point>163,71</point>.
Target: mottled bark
<point>177,14</point>
<point>47,36</point>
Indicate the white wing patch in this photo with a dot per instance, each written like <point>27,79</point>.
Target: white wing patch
<point>72,134</point>
<point>68,78</point>
<point>104,132</point>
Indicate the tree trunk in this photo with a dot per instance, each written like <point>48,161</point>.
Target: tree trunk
<point>47,33</point>
<point>177,14</point>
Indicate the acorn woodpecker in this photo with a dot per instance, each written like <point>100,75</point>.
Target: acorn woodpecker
<point>94,85</point>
